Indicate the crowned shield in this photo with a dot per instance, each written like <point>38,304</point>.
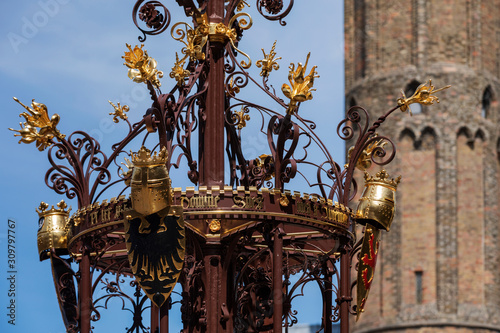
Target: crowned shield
<point>154,228</point>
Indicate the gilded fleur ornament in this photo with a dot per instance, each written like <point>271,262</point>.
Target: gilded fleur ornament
<point>119,111</point>
<point>241,118</point>
<point>194,39</point>
<point>37,118</point>
<point>423,95</point>
<point>141,66</point>
<point>269,62</point>
<point>365,159</point>
<point>232,88</point>
<point>178,72</point>
<point>300,88</point>
<point>260,163</point>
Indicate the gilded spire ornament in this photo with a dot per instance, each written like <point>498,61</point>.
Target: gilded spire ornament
<point>37,117</point>
<point>178,72</point>
<point>300,88</point>
<point>269,62</point>
<point>423,95</point>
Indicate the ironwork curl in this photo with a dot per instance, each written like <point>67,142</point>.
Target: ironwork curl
<point>153,18</point>
<point>85,157</point>
<point>275,8</point>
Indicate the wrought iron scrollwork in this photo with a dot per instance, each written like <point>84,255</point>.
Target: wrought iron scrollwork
<point>254,292</point>
<point>274,10</point>
<point>155,16</point>
<point>356,124</point>
<point>193,305</point>
<point>64,279</point>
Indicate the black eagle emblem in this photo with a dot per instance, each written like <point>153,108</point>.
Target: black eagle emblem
<point>156,246</point>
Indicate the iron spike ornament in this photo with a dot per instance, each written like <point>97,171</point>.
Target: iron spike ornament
<point>154,228</point>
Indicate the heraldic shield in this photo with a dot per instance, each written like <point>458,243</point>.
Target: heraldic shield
<point>154,229</point>
<point>366,266</point>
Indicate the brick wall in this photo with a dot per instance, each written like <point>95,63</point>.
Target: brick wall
<point>447,220</point>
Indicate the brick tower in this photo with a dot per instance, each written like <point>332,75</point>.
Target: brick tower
<point>439,266</point>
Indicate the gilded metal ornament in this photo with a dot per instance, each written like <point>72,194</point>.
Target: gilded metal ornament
<point>423,95</point>
<point>142,67</point>
<point>269,62</point>
<point>232,89</point>
<point>284,200</point>
<point>241,5</point>
<point>119,111</point>
<point>52,229</point>
<point>365,159</point>
<point>150,183</point>
<point>377,203</point>
<point>178,72</point>
<point>195,39</point>
<point>241,118</point>
<point>154,228</point>
<point>214,226</point>
<point>38,118</point>
<point>301,85</point>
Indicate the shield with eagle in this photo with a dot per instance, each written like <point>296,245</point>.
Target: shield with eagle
<point>156,245</point>
<point>366,266</point>
<point>154,228</point>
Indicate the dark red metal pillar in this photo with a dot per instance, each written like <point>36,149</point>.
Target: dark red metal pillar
<point>214,292</point>
<point>154,318</point>
<point>327,300</point>
<point>345,290</point>
<point>277,280</point>
<point>164,317</point>
<point>211,141</point>
<point>85,292</point>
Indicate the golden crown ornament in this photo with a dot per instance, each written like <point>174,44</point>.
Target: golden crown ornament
<point>52,229</point>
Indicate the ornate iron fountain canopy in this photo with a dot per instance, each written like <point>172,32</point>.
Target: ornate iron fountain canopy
<point>232,243</point>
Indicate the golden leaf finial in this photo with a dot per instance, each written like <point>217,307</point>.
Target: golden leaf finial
<point>119,111</point>
<point>178,72</point>
<point>141,66</point>
<point>269,62</point>
<point>38,118</point>
<point>423,95</point>
<point>300,88</point>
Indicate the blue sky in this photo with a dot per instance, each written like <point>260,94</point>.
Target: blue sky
<point>67,55</point>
